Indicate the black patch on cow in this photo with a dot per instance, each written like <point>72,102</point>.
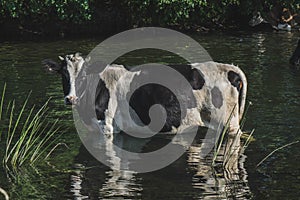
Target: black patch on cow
<point>65,75</point>
<point>84,104</point>
<point>205,114</point>
<point>193,76</point>
<point>217,98</point>
<point>102,98</point>
<point>236,81</point>
<point>295,58</point>
<point>148,95</point>
<point>83,84</point>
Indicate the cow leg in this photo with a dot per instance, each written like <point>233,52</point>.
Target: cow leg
<point>108,127</point>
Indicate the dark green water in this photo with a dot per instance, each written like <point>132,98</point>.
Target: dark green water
<point>273,87</point>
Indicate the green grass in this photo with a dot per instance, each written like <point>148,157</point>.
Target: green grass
<point>26,133</point>
<point>277,149</point>
<point>220,142</point>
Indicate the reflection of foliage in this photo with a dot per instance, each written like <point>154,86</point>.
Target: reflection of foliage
<point>30,183</point>
<point>46,180</point>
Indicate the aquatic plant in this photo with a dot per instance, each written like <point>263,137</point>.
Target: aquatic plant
<point>228,153</point>
<point>277,149</point>
<point>219,142</point>
<point>26,133</point>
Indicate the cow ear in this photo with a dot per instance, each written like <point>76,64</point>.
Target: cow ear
<point>51,66</point>
<point>196,79</point>
<point>61,58</point>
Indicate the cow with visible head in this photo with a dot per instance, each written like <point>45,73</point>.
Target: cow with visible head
<point>69,69</point>
<point>214,87</point>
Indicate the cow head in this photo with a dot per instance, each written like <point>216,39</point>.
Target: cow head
<point>69,68</point>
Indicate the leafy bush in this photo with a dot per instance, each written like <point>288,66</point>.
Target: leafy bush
<point>75,11</point>
<point>77,16</point>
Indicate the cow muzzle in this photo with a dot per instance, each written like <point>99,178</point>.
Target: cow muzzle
<point>71,100</point>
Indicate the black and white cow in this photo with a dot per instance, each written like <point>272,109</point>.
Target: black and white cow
<point>214,86</point>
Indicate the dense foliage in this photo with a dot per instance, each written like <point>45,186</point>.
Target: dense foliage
<point>106,16</point>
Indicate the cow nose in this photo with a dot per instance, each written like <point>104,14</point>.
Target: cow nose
<point>70,100</point>
<point>67,101</point>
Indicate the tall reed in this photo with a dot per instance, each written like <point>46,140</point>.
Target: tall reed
<point>27,134</point>
<point>220,140</point>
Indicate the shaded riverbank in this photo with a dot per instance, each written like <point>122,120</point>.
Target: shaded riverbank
<point>35,19</point>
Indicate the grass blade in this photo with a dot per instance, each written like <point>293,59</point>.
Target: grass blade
<point>2,100</point>
<point>225,128</point>
<point>270,154</point>
<point>248,139</point>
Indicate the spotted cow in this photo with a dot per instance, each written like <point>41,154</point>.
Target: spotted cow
<point>214,87</point>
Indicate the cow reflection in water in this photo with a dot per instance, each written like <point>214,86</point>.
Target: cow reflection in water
<point>190,174</point>
<point>228,179</point>
<point>95,180</point>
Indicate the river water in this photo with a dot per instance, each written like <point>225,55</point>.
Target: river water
<point>71,173</point>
